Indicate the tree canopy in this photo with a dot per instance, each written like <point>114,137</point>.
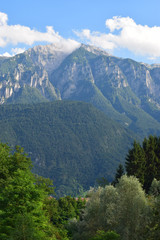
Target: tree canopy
<point>122,209</point>
<point>21,198</point>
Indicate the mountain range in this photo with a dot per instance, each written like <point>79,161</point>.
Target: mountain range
<point>125,90</point>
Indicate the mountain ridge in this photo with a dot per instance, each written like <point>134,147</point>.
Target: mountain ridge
<point>122,88</point>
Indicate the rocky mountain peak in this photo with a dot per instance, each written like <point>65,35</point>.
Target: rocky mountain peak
<point>49,56</point>
<point>95,50</point>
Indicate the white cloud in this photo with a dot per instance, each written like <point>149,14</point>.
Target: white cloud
<point>139,39</point>
<point>16,34</point>
<point>3,19</point>
<point>17,50</point>
<point>98,39</point>
<point>117,23</point>
<point>14,51</point>
<point>6,54</point>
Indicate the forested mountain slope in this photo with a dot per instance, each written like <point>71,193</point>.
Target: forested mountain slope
<point>73,143</point>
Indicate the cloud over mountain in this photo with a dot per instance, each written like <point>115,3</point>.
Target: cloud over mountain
<point>122,33</point>
<point>18,34</point>
<point>125,33</point>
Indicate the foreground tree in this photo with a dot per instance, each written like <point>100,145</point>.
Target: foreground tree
<point>21,199</point>
<point>133,205</point>
<point>123,209</point>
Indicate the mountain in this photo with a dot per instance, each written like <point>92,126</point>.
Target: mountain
<point>116,86</point>
<point>73,143</point>
<point>125,90</point>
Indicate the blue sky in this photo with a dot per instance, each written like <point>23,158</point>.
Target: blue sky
<point>129,29</point>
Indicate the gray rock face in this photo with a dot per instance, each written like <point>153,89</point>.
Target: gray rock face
<point>48,57</point>
<point>107,72</point>
<point>31,68</point>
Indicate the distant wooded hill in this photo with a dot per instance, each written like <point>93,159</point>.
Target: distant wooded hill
<point>73,143</point>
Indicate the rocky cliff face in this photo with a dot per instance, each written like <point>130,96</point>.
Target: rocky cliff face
<point>122,88</point>
<point>107,72</point>
<point>48,57</point>
<point>114,77</point>
<point>31,69</point>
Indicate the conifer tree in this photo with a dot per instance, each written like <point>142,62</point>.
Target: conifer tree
<point>144,161</point>
<point>119,174</point>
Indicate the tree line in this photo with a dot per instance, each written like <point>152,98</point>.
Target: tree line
<point>127,209</point>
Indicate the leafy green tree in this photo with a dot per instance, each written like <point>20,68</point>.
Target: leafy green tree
<point>123,209</point>
<point>133,205</point>
<point>21,199</point>
<point>63,209</point>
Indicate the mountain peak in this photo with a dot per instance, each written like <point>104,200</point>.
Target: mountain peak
<point>52,55</point>
<point>95,50</point>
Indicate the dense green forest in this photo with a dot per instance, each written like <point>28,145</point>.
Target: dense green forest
<point>72,143</point>
<point>125,210</point>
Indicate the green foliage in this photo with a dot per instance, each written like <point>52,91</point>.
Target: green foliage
<point>110,235</point>
<point>135,162</point>
<point>153,227</point>
<point>119,174</point>
<point>102,182</point>
<point>63,209</point>
<point>132,207</point>
<point>27,95</point>
<point>123,209</point>
<point>144,161</point>
<point>155,188</point>
<point>21,199</point>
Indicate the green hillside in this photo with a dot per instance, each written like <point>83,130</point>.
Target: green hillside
<point>73,143</point>
<point>27,95</point>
